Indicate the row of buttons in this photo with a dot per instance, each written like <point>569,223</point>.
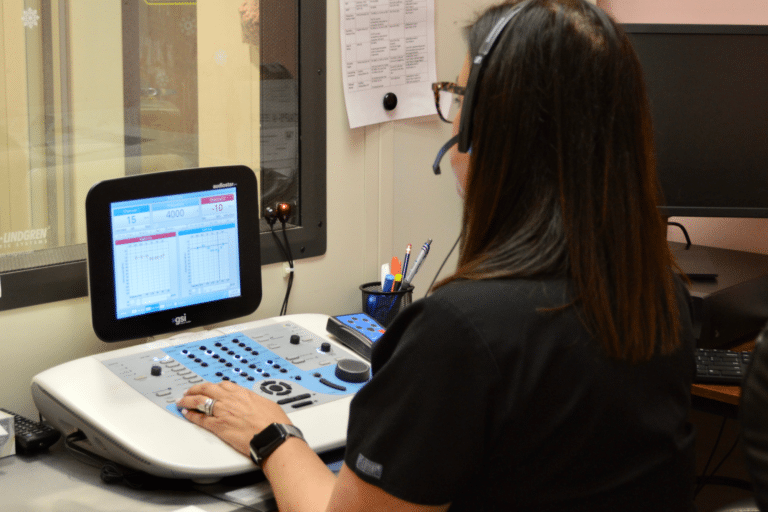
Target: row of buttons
<point>237,357</point>
<point>180,370</point>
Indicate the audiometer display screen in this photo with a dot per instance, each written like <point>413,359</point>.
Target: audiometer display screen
<point>175,251</point>
<point>172,250</point>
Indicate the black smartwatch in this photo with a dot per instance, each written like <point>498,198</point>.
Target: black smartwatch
<point>267,441</point>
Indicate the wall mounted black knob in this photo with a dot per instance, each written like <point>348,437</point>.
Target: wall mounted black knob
<point>390,101</point>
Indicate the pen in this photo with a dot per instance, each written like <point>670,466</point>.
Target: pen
<point>405,260</point>
<point>417,263</point>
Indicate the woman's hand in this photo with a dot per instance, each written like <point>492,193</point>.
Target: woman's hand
<point>300,480</point>
<point>238,413</point>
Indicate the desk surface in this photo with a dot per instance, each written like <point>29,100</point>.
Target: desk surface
<point>56,481</point>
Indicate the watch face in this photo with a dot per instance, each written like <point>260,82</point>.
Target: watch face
<point>267,435</point>
<point>267,441</point>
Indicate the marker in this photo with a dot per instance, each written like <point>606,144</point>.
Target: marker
<point>394,266</point>
<point>417,264</point>
<point>384,271</point>
<point>388,282</point>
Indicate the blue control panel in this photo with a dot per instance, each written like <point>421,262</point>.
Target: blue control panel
<point>283,362</point>
<point>357,331</point>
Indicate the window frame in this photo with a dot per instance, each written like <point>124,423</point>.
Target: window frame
<point>49,275</point>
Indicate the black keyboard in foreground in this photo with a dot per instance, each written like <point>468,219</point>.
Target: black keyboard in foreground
<point>721,366</point>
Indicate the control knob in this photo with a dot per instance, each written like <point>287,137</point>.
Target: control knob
<point>155,371</point>
<point>352,370</point>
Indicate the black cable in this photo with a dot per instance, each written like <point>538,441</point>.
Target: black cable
<point>271,216</point>
<point>725,457</point>
<point>685,233</point>
<point>287,246</point>
<point>284,309</point>
<point>289,259</point>
<point>112,472</point>
<point>279,243</point>
<point>82,454</point>
<point>443,264</point>
<point>282,213</point>
<point>703,479</point>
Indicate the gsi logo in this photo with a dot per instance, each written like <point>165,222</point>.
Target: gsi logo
<point>180,320</point>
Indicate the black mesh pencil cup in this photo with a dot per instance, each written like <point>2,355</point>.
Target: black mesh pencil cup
<point>384,306</point>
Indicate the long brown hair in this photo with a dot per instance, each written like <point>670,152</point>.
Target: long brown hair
<point>562,178</point>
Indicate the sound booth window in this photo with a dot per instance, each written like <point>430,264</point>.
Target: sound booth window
<point>112,90</point>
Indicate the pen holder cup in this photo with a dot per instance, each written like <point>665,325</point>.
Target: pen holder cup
<point>384,306</point>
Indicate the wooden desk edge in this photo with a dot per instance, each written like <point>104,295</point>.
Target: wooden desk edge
<point>728,394</point>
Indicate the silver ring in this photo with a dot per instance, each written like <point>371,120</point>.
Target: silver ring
<point>207,407</point>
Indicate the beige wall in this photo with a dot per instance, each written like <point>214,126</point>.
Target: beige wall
<point>742,234</point>
<point>738,12</point>
<point>381,195</point>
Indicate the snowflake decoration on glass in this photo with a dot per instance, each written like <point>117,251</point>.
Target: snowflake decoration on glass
<point>220,57</point>
<point>30,18</point>
<point>188,25</point>
<point>161,78</point>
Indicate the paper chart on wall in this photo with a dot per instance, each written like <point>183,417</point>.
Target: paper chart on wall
<point>387,47</point>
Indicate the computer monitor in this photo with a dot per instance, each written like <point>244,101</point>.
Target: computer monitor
<point>708,89</point>
<point>172,250</point>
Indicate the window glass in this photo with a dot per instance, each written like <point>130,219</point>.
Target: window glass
<point>91,90</point>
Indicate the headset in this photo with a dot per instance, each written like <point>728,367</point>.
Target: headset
<point>464,137</point>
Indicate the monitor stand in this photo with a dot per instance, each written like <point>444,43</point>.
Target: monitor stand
<point>694,261</point>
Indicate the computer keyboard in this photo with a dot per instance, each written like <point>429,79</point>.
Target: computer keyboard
<point>721,366</point>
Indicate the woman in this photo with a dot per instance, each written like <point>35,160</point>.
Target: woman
<point>552,370</point>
